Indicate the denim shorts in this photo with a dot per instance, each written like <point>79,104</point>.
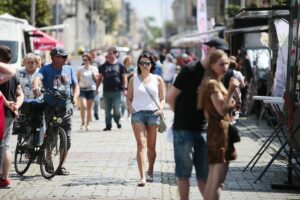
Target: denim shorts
<point>146,117</point>
<point>87,94</point>
<point>7,132</point>
<point>190,149</point>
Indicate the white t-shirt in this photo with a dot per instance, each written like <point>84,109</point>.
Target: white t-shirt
<point>87,81</point>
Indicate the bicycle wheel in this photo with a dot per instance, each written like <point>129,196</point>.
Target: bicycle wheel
<point>24,155</point>
<point>53,153</point>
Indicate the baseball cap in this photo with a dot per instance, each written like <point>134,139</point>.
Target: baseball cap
<point>58,51</point>
<point>218,43</point>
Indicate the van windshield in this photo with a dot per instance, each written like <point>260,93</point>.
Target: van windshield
<point>13,45</point>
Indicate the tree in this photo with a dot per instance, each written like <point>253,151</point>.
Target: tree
<point>152,31</point>
<point>22,9</point>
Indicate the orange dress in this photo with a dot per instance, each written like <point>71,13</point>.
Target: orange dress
<point>219,150</point>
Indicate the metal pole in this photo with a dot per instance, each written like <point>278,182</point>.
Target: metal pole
<point>76,25</point>
<point>226,11</point>
<point>32,14</point>
<point>56,17</point>
<point>243,4</point>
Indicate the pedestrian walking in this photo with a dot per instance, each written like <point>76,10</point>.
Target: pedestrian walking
<point>189,127</point>
<point>6,72</point>
<point>169,69</point>
<point>217,103</point>
<point>113,75</point>
<point>145,93</point>
<point>87,76</point>
<point>95,62</point>
<point>13,98</point>
<point>246,92</point>
<point>59,76</point>
<point>131,69</point>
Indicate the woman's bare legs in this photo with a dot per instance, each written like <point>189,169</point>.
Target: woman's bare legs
<point>215,181</point>
<point>151,144</point>
<point>89,106</point>
<point>83,105</point>
<point>141,141</point>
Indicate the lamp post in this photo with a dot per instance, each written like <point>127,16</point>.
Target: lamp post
<point>32,14</point>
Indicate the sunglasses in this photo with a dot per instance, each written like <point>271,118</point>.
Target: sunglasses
<point>143,64</point>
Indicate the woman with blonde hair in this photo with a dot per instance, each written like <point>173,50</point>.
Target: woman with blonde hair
<point>87,76</point>
<point>217,103</point>
<point>27,74</point>
<point>145,101</point>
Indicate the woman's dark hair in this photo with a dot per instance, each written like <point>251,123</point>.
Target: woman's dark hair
<point>5,54</point>
<point>149,55</point>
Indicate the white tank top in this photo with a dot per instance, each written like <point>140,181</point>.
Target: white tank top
<point>141,99</point>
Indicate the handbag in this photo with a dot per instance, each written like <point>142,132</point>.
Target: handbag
<point>162,123</point>
<point>233,134</point>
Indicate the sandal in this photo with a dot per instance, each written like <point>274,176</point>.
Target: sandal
<point>141,183</point>
<point>82,127</point>
<point>63,172</point>
<point>149,177</point>
<point>49,167</point>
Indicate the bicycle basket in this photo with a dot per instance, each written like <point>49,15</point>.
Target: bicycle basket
<point>19,126</point>
<point>32,108</point>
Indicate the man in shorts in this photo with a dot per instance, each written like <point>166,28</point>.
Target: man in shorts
<point>13,98</point>
<point>190,124</point>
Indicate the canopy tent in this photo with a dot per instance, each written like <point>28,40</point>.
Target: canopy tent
<point>43,41</point>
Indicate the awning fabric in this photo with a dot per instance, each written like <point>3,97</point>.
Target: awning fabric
<point>43,41</point>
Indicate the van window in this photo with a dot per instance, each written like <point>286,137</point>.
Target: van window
<point>13,45</point>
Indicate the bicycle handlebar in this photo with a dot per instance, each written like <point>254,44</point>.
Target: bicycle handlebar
<point>57,94</point>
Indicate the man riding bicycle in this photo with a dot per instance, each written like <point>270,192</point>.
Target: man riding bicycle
<point>59,76</point>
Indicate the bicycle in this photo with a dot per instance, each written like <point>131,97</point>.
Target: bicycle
<point>51,153</point>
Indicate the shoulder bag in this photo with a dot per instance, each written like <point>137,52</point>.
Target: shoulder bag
<point>162,124</point>
<point>233,134</point>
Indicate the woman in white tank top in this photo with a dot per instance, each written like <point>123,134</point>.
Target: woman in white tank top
<point>145,112</point>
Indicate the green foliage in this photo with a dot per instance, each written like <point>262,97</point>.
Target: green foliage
<point>232,9</point>
<point>154,30</point>
<point>110,12</point>
<point>282,2</point>
<point>22,9</point>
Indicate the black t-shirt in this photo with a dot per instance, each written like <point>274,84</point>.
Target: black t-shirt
<point>112,76</point>
<point>186,115</point>
<point>9,89</point>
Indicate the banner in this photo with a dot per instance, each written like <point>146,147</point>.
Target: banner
<point>201,16</point>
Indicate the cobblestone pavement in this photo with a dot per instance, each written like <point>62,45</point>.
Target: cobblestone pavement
<point>103,166</point>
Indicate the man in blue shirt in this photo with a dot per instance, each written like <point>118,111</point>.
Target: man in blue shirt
<point>57,75</point>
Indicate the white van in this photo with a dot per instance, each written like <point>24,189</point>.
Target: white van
<point>14,34</point>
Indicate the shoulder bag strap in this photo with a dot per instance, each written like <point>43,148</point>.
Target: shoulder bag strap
<point>152,98</point>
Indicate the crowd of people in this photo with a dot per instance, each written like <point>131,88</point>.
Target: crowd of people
<point>203,95</point>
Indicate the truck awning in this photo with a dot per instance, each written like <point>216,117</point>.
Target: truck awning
<point>43,41</point>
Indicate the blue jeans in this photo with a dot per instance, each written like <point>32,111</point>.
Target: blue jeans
<point>96,104</point>
<point>112,100</point>
<point>190,149</point>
